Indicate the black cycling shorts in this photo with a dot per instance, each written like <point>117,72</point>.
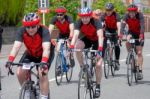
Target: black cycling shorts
<point>88,43</point>
<point>137,42</point>
<point>26,58</point>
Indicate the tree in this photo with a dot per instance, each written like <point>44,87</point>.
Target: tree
<point>11,11</point>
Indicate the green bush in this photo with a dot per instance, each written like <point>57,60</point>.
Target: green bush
<point>119,6</point>
<point>11,11</point>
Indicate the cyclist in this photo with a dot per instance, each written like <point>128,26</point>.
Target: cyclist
<point>91,34</point>
<point>97,14</point>
<point>65,25</point>
<point>135,22</point>
<point>112,24</point>
<point>63,22</point>
<point>36,39</point>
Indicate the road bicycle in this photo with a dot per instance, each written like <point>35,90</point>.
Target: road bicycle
<point>132,68</point>
<point>87,76</point>
<point>109,56</point>
<point>64,62</point>
<point>30,89</point>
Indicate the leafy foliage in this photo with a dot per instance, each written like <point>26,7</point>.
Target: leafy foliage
<point>11,11</point>
<point>119,6</point>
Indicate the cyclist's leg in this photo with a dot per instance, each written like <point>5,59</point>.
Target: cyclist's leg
<point>139,49</point>
<point>21,74</point>
<point>81,44</point>
<point>98,72</point>
<point>52,54</point>
<point>44,84</point>
<point>128,45</point>
<point>43,80</point>
<point>117,53</point>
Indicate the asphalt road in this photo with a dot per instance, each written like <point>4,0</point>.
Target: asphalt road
<point>112,88</point>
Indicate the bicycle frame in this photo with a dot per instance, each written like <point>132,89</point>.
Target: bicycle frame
<point>62,49</point>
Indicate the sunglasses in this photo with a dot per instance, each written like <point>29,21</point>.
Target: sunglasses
<point>32,27</point>
<point>60,14</point>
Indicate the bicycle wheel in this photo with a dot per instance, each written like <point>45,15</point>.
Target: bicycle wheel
<point>130,69</point>
<point>69,68</point>
<point>84,91</point>
<point>113,62</point>
<point>136,71</point>
<point>27,91</point>
<point>58,69</point>
<point>0,80</point>
<point>106,63</point>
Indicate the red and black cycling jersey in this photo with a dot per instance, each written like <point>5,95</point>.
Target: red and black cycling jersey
<point>135,25</point>
<point>89,30</point>
<point>110,22</point>
<point>33,43</point>
<point>63,27</point>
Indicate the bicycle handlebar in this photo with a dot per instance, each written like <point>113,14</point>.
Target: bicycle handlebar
<point>31,65</point>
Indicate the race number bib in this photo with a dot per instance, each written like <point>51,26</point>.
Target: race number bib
<point>26,66</point>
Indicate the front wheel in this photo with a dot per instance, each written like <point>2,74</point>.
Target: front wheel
<point>113,62</point>
<point>69,67</point>
<point>27,91</point>
<point>84,90</point>
<point>106,63</point>
<point>58,69</point>
<point>130,70</point>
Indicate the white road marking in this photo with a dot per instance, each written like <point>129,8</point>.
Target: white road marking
<point>147,55</point>
<point>53,79</point>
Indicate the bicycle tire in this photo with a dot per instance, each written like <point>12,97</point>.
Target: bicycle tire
<point>0,80</point>
<point>130,69</point>
<point>83,91</point>
<point>106,63</point>
<point>58,70</point>
<point>31,93</point>
<point>136,73</point>
<point>113,65</point>
<point>69,70</point>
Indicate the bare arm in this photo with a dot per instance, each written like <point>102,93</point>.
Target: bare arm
<point>71,27</point>
<point>46,49</point>
<point>75,37</point>
<point>100,37</point>
<point>16,47</point>
<point>119,28</point>
<point>51,28</point>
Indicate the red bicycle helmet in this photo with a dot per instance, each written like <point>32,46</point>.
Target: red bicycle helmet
<point>85,12</point>
<point>61,10</point>
<point>31,19</point>
<point>132,7</point>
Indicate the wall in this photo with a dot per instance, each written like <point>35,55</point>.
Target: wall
<point>9,34</point>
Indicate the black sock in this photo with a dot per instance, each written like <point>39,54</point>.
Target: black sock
<point>97,85</point>
<point>140,71</point>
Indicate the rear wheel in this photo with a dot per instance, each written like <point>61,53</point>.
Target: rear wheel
<point>58,69</point>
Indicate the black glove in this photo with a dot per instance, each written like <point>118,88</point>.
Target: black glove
<point>43,66</point>
<point>9,65</point>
